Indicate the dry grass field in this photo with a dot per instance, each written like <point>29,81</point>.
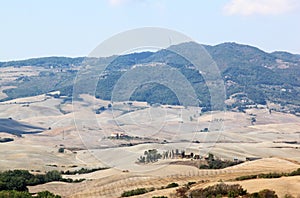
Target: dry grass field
<point>76,127</point>
<point>111,183</point>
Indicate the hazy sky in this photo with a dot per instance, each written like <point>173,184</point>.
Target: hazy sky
<point>34,28</point>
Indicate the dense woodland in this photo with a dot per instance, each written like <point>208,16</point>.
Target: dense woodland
<point>18,180</point>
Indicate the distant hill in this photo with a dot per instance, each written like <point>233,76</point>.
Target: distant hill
<point>58,62</point>
<point>251,76</point>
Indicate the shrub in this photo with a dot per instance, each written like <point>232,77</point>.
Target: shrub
<point>219,190</point>
<point>181,192</point>
<point>61,150</point>
<point>269,175</point>
<point>191,183</point>
<point>241,178</point>
<point>172,185</point>
<point>137,191</point>
<point>294,173</point>
<point>266,193</point>
<point>47,194</point>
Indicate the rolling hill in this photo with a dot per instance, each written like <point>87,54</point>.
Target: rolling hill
<point>251,76</point>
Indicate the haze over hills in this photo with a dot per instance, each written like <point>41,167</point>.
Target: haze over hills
<point>251,76</point>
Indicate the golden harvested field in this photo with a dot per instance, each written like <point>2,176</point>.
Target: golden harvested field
<point>273,137</point>
<point>111,183</point>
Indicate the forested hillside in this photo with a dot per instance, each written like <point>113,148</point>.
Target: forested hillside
<point>251,76</point>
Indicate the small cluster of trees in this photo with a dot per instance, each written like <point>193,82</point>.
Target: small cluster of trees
<point>20,179</point>
<point>215,163</point>
<point>102,108</point>
<point>151,155</point>
<point>13,183</point>
<point>173,154</point>
<point>82,171</point>
<point>212,162</point>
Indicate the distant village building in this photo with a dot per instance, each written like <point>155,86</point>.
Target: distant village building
<point>55,94</point>
<point>118,135</point>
